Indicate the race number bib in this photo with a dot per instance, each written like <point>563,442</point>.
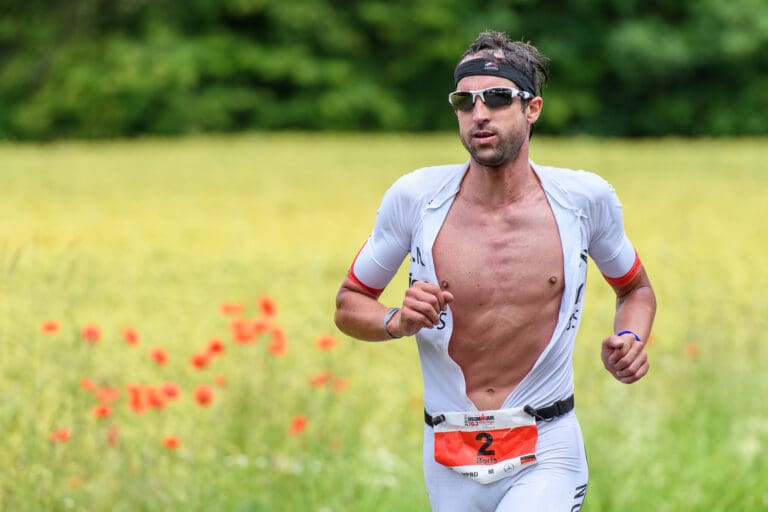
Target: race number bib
<point>486,446</point>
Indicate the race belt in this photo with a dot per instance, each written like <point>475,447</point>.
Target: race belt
<point>487,446</point>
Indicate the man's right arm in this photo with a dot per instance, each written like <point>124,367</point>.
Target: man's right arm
<point>358,310</point>
<point>360,314</point>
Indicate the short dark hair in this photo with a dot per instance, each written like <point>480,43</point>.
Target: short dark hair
<point>525,57</point>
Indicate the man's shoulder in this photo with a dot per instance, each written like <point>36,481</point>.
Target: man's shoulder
<point>428,181</point>
<point>576,183</point>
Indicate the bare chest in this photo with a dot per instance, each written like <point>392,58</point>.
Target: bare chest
<point>502,258</point>
<point>505,270</point>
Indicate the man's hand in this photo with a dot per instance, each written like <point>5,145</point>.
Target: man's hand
<point>422,306</point>
<point>625,358</point>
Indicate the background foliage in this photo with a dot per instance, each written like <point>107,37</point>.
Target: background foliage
<point>112,68</point>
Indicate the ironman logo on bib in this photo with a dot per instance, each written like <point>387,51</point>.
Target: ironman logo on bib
<point>485,446</point>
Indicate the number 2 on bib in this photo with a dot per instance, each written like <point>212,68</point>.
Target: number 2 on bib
<point>484,451</point>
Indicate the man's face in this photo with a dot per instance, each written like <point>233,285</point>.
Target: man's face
<point>493,136</point>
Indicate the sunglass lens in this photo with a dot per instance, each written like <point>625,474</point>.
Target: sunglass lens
<point>498,98</point>
<point>461,100</point>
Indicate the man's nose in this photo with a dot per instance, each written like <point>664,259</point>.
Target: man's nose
<point>479,110</point>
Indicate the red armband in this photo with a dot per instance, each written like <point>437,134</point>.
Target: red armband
<point>618,282</point>
<point>373,291</point>
<point>352,277</point>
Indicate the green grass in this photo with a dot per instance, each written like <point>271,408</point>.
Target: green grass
<point>157,234</point>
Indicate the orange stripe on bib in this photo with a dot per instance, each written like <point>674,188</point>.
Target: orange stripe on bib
<point>462,448</point>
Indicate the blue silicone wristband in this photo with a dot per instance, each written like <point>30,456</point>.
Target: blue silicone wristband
<point>637,338</point>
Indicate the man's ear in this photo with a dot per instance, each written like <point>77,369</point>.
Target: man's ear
<point>533,111</point>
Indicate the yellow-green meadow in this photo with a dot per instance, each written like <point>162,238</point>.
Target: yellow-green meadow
<point>180,239</point>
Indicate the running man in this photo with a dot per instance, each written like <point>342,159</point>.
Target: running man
<point>498,250</point>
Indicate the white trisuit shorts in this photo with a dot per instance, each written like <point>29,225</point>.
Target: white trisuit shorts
<point>557,482</point>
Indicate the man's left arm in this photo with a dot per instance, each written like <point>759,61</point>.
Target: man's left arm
<point>624,355</point>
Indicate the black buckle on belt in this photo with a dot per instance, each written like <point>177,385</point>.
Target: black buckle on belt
<point>548,413</point>
<point>551,412</point>
<point>432,421</point>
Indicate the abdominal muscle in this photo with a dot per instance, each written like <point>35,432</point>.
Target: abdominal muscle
<point>496,347</point>
<point>504,270</point>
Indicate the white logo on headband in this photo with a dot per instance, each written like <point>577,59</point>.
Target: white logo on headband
<point>491,66</point>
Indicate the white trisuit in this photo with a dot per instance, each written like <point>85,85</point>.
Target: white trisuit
<point>590,223</point>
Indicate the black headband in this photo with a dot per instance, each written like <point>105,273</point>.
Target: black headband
<point>492,68</point>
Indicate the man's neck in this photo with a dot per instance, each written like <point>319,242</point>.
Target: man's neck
<point>499,186</point>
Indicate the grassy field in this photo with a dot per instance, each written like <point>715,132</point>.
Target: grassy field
<point>173,238</point>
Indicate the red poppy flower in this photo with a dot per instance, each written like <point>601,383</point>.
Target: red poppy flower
<point>259,327</point>
<point>91,333</point>
<point>232,309</point>
<point>267,306</point>
<point>137,401</point>
<point>61,435</point>
<point>326,342</point>
<point>171,390</point>
<point>108,394</point>
<point>101,411</point>
<point>50,327</point>
<point>200,360</point>
<point>278,346</point>
<point>159,355</point>
<point>88,385</point>
<point>320,379</point>
<point>215,347</point>
<point>242,331</point>
<point>220,381</point>
<point>131,336</point>
<point>204,395</point>
<point>155,397</point>
<point>298,425</point>
<point>171,442</point>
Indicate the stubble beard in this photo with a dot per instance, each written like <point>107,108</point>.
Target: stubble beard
<point>506,151</point>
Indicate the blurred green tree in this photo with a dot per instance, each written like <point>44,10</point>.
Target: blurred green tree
<point>115,68</point>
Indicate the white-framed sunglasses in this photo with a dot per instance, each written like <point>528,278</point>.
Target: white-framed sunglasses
<point>493,97</point>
